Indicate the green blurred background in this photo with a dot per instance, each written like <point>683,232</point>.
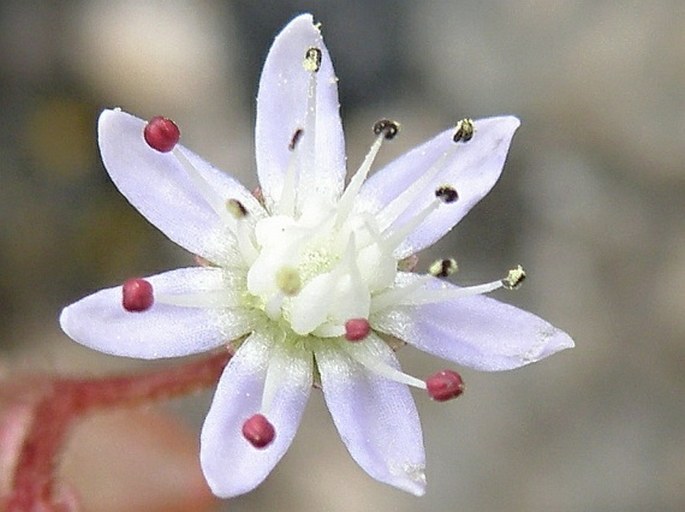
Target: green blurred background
<point>591,203</point>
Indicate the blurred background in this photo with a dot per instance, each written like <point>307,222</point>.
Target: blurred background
<point>590,202</point>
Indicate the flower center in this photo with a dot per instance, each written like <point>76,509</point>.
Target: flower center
<point>317,271</point>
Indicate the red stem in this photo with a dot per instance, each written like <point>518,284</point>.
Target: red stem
<point>69,398</point>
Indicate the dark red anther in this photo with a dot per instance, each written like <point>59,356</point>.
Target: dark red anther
<point>356,329</point>
<point>137,295</point>
<point>444,385</point>
<point>258,431</point>
<point>161,134</point>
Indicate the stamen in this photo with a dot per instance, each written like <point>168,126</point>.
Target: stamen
<point>312,59</point>
<point>258,431</point>
<point>443,268</point>
<point>224,209</point>
<point>514,279</point>
<point>393,210</point>
<point>236,209</point>
<point>360,352</point>
<point>288,281</point>
<point>286,204</point>
<point>356,329</point>
<point>446,194</point>
<point>420,292</point>
<point>387,127</point>
<point>137,295</point>
<point>245,244</point>
<point>161,134</point>
<point>212,299</point>
<point>279,366</point>
<point>464,130</point>
<point>393,296</point>
<point>433,295</point>
<point>295,139</point>
<point>241,229</point>
<point>208,193</point>
<point>393,238</point>
<point>444,385</point>
<point>359,292</point>
<point>347,199</point>
<point>303,160</point>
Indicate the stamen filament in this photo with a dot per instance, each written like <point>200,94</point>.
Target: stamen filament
<point>416,294</point>
<point>360,293</point>
<point>393,296</point>
<point>431,296</point>
<point>239,227</point>
<point>395,237</point>
<point>245,244</point>
<point>288,200</point>
<point>203,299</point>
<point>276,374</point>
<point>213,199</point>
<point>347,199</point>
<point>360,353</point>
<point>306,179</point>
<point>393,210</point>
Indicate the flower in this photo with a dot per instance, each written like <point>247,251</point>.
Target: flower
<point>307,278</point>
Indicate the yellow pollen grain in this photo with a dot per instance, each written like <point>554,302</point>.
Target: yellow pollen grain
<point>514,278</point>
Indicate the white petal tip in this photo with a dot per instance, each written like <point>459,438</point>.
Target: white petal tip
<point>412,479</point>
<point>417,491</point>
<point>505,124</point>
<point>302,22</point>
<point>561,341</point>
<point>551,341</point>
<point>110,114</point>
<point>514,121</point>
<point>64,321</point>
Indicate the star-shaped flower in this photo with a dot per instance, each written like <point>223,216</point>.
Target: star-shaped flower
<point>308,279</point>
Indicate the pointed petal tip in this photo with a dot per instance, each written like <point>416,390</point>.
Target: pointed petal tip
<point>108,115</point>
<point>515,121</point>
<point>304,17</point>
<point>557,342</point>
<point>551,341</point>
<point>417,490</point>
<point>64,320</point>
<point>412,480</point>
<point>507,123</point>
<point>304,21</point>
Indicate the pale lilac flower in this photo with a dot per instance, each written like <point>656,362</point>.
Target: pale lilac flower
<point>306,281</point>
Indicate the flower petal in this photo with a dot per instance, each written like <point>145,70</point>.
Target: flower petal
<point>472,168</point>
<point>159,186</point>
<point>282,109</point>
<point>231,465</point>
<point>475,331</point>
<point>376,418</point>
<point>99,321</point>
